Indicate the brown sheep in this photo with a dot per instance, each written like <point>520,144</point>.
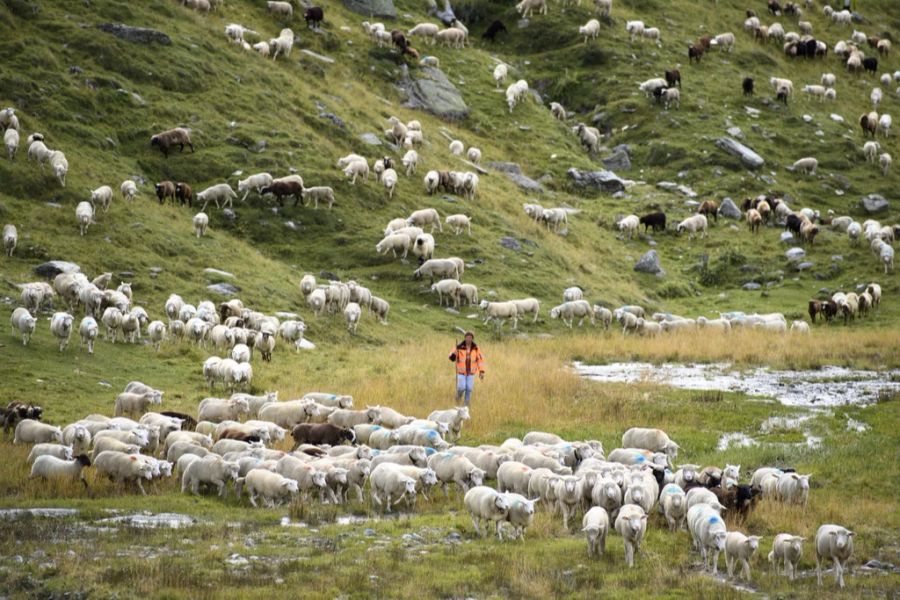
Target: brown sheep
<point>695,52</point>
<point>808,232</point>
<point>167,140</point>
<point>399,40</point>
<point>869,126</point>
<point>709,208</point>
<point>184,193</point>
<point>165,189</point>
<point>754,220</point>
<point>673,78</point>
<point>237,434</point>
<point>815,308</point>
<point>321,433</point>
<point>284,189</point>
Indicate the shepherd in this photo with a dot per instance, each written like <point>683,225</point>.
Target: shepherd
<point>469,361</point>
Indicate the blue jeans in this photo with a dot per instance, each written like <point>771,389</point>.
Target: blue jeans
<point>464,384</point>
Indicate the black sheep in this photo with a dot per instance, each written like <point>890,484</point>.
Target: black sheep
<point>870,64</point>
<point>793,224</point>
<point>748,86</point>
<point>314,15</point>
<point>493,30</point>
<point>655,220</point>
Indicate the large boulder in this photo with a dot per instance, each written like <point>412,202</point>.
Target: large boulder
<point>874,203</point>
<point>135,35</point>
<point>53,268</point>
<point>619,160</point>
<point>431,91</point>
<point>602,181</point>
<point>373,8</point>
<point>729,210</point>
<point>795,254</point>
<point>734,147</point>
<point>649,263</point>
<point>514,172</point>
<point>224,289</point>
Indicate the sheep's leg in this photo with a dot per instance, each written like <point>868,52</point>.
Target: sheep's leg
<point>838,573</point>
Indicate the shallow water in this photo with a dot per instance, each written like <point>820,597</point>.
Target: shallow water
<point>829,386</point>
<point>153,521</point>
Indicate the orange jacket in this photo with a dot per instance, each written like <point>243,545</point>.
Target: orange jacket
<point>468,362</point>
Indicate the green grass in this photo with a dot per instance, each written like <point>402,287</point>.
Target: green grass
<point>233,99</point>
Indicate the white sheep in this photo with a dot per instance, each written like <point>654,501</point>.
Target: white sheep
<point>806,165</point>
<point>652,33</point>
<point>271,487</point>
<point>59,451</point>
<point>283,43</point>
<point>655,440</point>
<point>829,80</point>
<point>836,543</point>
<point>631,523</point>
<point>221,192</point>
<point>635,29</point>
<point>788,549</point>
<point>425,216</point>
<point>456,148</point>
<point>692,225</point>
<point>23,324</point>
<point>591,30</point>
<point>254,183</point>
<point>629,224</point>
<point>500,312</point>
<point>52,467</point>
<point>60,166</point>
<point>884,125</point>
<point>29,431</point>
<point>651,86</point>
<point>394,242</point>
<point>604,7</point>
<point>200,223</point>
<point>725,41</point>
<point>410,160</point>
<point>708,532</point>
<point>500,73</point>
<point>88,330</point>
<point>885,161</point>
<point>558,111</point>
<point>387,482</point>
<point>486,504</point>
<point>452,37</point>
<point>209,470</point>
<point>569,311</point>
<point>595,525</point>
<point>739,547</point>
<point>474,155</point>
<point>555,218</point>
<point>793,488</point>
<point>11,141</point>
<point>426,30</point>
<point>61,328</point>
<point>527,306</point>
<point>674,505</point>
<point>102,195</point>
<point>352,313</point>
<point>459,223</point>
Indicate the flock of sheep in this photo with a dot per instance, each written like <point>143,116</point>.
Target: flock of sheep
<point>337,451</point>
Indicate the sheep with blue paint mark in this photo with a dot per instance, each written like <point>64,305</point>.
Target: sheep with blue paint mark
<point>708,531</point>
<point>452,468</point>
<point>673,501</point>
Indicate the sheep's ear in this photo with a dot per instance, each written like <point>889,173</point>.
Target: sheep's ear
<point>643,517</point>
<point>851,533</point>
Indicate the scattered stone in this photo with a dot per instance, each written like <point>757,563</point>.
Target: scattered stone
<point>874,203</point>
<point>805,265</point>
<point>511,243</point>
<point>126,275</point>
<point>369,532</point>
<point>807,118</point>
<point>617,161</point>
<point>523,23</point>
<point>53,268</point>
<point>751,286</point>
<point>333,118</point>
<point>218,273</point>
<point>795,254</point>
<point>601,181</point>
<point>837,258</point>
<point>837,118</point>
<point>373,8</point>
<point>430,90</point>
<point>649,263</point>
<point>753,112</point>
<point>748,157</point>
<point>667,185</point>
<point>451,310</point>
<point>729,209</point>
<point>324,59</point>
<point>735,132</point>
<point>370,139</point>
<point>514,173</point>
<point>787,237</point>
<point>228,214</point>
<point>329,276</point>
<point>291,225</point>
<point>137,35</point>
<point>224,289</point>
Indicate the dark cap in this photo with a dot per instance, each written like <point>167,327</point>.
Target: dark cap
<point>468,333</point>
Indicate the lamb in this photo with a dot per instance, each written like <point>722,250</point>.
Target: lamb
<point>651,86</point>
<point>629,224</point>
<point>589,137</point>
<point>169,139</point>
<point>555,217</point>
<point>454,417</point>
<point>486,504</point>
<point>210,470</point>
<point>500,312</point>
<point>806,165</point>
<point>271,487</point>
<point>692,225</point>
<point>103,195</point>
<point>389,481</point>
<point>459,223</point>
<point>84,215</point>
<point>11,141</point>
<point>88,330</point>
<point>520,514</point>
<point>591,29</point>
<point>216,193</point>
<point>787,548</point>
<point>254,182</point>
<point>355,169</point>
<point>200,223</point>
<point>671,96</point>
<point>595,525</point>
<point>885,161</point>
<point>652,33</point>
<point>426,30</point>
<point>739,547</point>
<point>283,43</point>
<point>352,314</point>
<point>631,523</point>
<point>569,311</point>
<point>836,543</point>
<point>438,267</point>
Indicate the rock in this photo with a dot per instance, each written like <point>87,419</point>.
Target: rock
<point>76,70</point>
<point>228,214</point>
<point>729,209</point>
<point>126,275</point>
<point>216,273</point>
<point>735,132</point>
<point>751,286</point>
<point>874,203</point>
<point>329,276</point>
<point>748,157</point>
<point>523,23</point>
<point>601,181</point>
<point>136,35</point>
<point>370,139</point>
<point>369,532</point>
<point>649,263</point>
<point>805,265</point>
<point>837,118</point>
<point>373,8</point>
<point>224,289</point>
<point>623,148</point>
<point>515,175</point>
<point>838,258</point>
<point>683,189</point>
<point>795,254</point>
<point>333,118</point>
<point>753,112</point>
<point>787,237</point>
<point>324,59</point>
<point>617,161</point>
<point>511,243</point>
<point>55,267</point>
<point>807,118</point>
<point>667,185</point>
<point>431,91</point>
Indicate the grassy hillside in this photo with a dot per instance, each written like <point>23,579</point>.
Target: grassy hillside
<point>99,99</point>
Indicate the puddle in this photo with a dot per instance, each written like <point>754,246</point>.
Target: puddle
<point>17,513</point>
<point>735,439</point>
<point>857,426</point>
<point>153,521</point>
<point>342,520</point>
<point>829,386</point>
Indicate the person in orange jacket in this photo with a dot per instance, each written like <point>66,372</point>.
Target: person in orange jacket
<point>469,361</point>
